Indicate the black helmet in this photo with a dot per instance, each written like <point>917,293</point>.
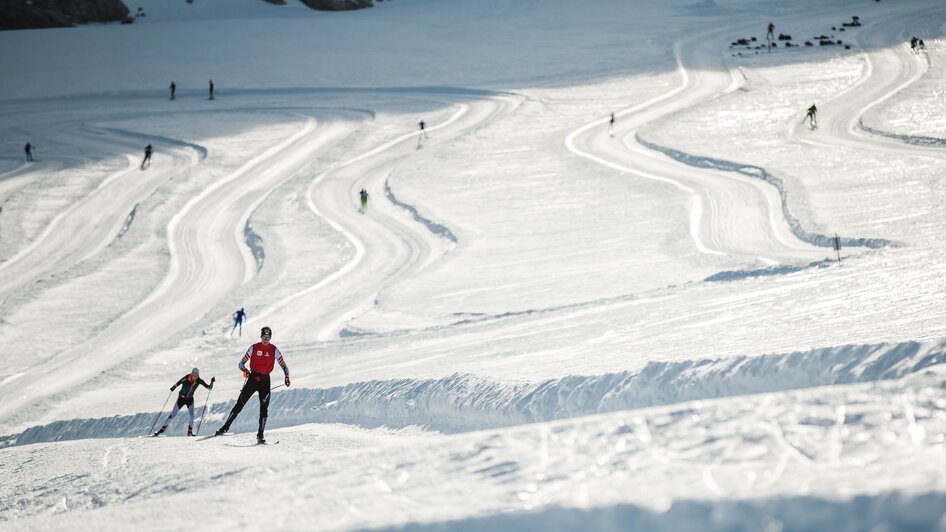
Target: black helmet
<point>266,331</point>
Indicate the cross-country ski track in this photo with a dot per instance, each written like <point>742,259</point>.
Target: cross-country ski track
<point>561,408</point>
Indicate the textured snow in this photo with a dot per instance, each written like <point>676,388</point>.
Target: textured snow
<point>540,323</point>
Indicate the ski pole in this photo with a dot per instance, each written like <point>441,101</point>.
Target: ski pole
<point>157,417</point>
<point>202,414</point>
<point>274,387</point>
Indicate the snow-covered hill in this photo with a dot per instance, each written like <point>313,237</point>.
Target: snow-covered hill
<point>542,321</point>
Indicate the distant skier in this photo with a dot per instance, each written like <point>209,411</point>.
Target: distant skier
<point>611,124</point>
<point>185,397</point>
<point>262,357</point>
<point>812,116</point>
<point>173,88</point>
<point>29,152</point>
<point>147,160</point>
<point>211,82</point>
<point>238,318</point>
<point>364,200</point>
<point>423,131</point>
<point>771,34</point>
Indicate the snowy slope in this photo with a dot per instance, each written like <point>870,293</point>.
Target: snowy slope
<point>539,322</point>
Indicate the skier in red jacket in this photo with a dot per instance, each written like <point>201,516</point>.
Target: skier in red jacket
<point>262,357</point>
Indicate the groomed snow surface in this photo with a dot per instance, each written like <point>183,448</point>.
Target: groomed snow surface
<point>541,322</point>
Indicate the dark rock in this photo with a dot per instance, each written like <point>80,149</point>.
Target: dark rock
<point>337,5</point>
<point>20,15</point>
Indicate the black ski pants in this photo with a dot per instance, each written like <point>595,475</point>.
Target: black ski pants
<point>255,383</point>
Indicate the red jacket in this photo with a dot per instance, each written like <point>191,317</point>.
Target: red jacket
<point>263,358</point>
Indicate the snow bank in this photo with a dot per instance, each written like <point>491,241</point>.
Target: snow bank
<point>886,511</point>
<point>463,402</point>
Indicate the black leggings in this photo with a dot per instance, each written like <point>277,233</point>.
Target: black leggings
<point>255,383</point>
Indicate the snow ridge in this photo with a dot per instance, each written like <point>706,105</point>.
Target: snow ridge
<point>463,402</point>
<point>917,140</point>
<point>885,511</point>
<point>255,243</point>
<point>434,227</point>
<point>758,172</point>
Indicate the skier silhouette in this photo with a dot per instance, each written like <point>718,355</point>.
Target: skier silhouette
<point>611,124</point>
<point>238,318</point>
<point>771,33</point>
<point>147,160</point>
<point>364,201</point>
<point>811,116</point>
<point>423,132</point>
<point>173,88</point>
<point>29,152</point>
<point>211,82</point>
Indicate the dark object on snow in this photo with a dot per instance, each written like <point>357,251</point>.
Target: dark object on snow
<point>752,39</point>
<point>337,5</point>
<point>848,46</point>
<point>808,43</point>
<point>826,42</point>
<point>20,15</point>
<point>855,21</point>
<point>742,42</point>
<point>783,37</point>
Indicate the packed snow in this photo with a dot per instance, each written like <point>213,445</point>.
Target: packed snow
<point>542,320</point>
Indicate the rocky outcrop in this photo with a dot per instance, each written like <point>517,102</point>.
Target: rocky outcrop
<point>337,5</point>
<point>28,14</point>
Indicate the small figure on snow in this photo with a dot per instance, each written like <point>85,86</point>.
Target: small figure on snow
<point>262,357</point>
<point>364,200</point>
<point>147,160</point>
<point>29,152</point>
<point>185,397</point>
<point>173,88</point>
<point>238,318</point>
<point>211,89</point>
<point>423,132</point>
<point>812,116</point>
<point>611,124</point>
<point>771,34</point>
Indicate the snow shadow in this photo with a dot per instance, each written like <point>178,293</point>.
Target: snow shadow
<point>463,402</point>
<point>784,269</point>
<point>885,511</point>
<point>758,172</point>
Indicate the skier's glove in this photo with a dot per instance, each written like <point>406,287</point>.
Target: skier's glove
<point>212,379</point>
<point>246,374</point>
<point>287,381</point>
<point>172,387</point>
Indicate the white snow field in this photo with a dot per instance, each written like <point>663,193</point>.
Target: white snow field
<point>540,322</point>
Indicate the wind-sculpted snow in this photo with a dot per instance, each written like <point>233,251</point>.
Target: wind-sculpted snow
<point>463,402</point>
<point>884,511</point>
<point>758,172</point>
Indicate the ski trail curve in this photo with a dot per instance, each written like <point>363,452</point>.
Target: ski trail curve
<point>338,182</point>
